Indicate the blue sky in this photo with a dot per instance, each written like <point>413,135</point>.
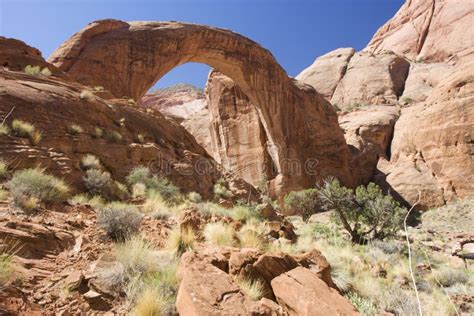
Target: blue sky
<point>295,31</point>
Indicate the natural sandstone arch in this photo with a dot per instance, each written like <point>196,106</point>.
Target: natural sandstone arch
<point>128,58</point>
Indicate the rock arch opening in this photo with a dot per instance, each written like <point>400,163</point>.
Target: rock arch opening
<point>305,141</point>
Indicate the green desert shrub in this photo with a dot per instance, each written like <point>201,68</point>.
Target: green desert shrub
<point>221,191</point>
<point>46,72</point>
<point>365,214</point>
<point>113,136</point>
<point>30,185</point>
<point>194,197</point>
<point>305,202</point>
<point>168,191</point>
<point>32,70</point>
<point>244,212</point>
<point>90,162</point>
<point>98,132</point>
<point>119,220</point>
<point>74,129</point>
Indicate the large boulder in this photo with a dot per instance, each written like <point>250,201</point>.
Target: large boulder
<point>210,277</point>
<point>435,31</point>
<point>368,132</point>
<point>371,80</point>
<point>327,70</point>
<point>431,151</point>
<point>301,292</point>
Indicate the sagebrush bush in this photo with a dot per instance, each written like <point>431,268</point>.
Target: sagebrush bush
<point>34,185</point>
<point>90,162</point>
<point>168,191</point>
<point>119,220</point>
<point>74,129</point>
<point>219,234</point>
<point>100,182</point>
<point>305,202</point>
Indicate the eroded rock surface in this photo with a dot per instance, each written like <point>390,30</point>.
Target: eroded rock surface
<point>326,71</point>
<point>371,80</point>
<point>429,30</point>
<point>433,144</point>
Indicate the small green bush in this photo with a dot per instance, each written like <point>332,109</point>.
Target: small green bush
<point>366,214</point>
<point>221,191</point>
<point>113,136</point>
<point>29,185</point>
<point>305,202</point>
<point>168,191</point>
<point>32,70</point>
<point>74,129</point>
<point>98,132</point>
<point>194,197</point>
<point>46,72</point>
<point>90,162</point>
<point>119,220</point>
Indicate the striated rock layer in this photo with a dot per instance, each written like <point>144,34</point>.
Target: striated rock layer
<point>304,139</point>
<point>429,30</point>
<point>432,149</point>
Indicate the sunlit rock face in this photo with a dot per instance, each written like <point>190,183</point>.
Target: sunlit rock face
<point>304,140</point>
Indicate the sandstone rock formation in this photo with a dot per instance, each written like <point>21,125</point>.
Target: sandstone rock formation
<point>368,132</point>
<point>300,125</point>
<point>371,80</point>
<point>238,137</point>
<point>187,105</point>
<point>433,144</point>
<point>326,71</point>
<point>431,30</point>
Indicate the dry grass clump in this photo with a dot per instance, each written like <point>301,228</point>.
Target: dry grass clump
<point>119,220</point>
<point>250,239</point>
<point>449,276</point>
<point>26,130</point>
<point>151,301</point>
<point>221,191</point>
<point>244,213</point>
<point>74,129</point>
<point>30,187</point>
<point>5,268</point>
<point>96,201</point>
<point>3,169</point>
<point>157,207</point>
<point>136,256</point>
<point>4,130</point>
<point>179,241</point>
<point>194,197</point>
<point>251,288</point>
<point>86,95</point>
<point>219,234</point>
<point>90,162</point>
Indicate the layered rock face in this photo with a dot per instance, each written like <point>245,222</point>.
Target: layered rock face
<point>432,30</point>
<point>305,142</point>
<point>433,144</point>
<point>53,104</point>
<point>239,141</point>
<point>185,104</point>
